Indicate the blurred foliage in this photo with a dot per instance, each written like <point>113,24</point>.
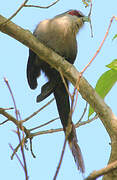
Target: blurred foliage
<point>86,2</point>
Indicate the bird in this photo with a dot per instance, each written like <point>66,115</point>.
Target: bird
<point>59,34</point>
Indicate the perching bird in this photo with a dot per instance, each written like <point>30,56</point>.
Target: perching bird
<point>58,34</point>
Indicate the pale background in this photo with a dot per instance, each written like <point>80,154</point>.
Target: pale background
<point>93,138</point>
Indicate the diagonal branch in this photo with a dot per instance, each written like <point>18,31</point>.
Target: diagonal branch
<point>43,7</point>
<point>109,168</point>
<point>103,111</point>
<point>88,93</point>
<point>14,14</point>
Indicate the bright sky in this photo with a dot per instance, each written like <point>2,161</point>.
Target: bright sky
<point>93,138</point>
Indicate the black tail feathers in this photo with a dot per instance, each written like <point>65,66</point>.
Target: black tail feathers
<point>63,105</point>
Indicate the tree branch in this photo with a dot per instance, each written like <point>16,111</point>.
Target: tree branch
<point>88,93</point>
<point>103,111</point>
<point>105,170</point>
<point>44,7</point>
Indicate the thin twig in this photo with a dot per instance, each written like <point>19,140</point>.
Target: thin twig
<point>31,148</point>
<point>86,122</point>
<point>27,132</point>
<point>4,122</point>
<point>89,15</point>
<point>18,146</point>
<point>44,7</point>
<point>16,112</point>
<point>7,109</point>
<point>61,158</point>
<point>84,69</point>
<point>37,111</point>
<point>76,90</point>
<point>85,109</point>
<point>12,119</point>
<point>14,14</point>
<point>18,131</point>
<point>49,131</point>
<point>44,124</point>
<point>22,129</point>
<point>31,135</point>
<point>66,86</point>
<point>97,52</point>
<point>17,156</point>
<point>24,5</point>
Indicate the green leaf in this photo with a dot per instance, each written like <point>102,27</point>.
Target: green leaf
<point>114,37</point>
<point>104,85</point>
<point>113,65</point>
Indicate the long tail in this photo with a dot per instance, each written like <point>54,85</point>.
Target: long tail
<point>63,105</point>
<point>72,140</point>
